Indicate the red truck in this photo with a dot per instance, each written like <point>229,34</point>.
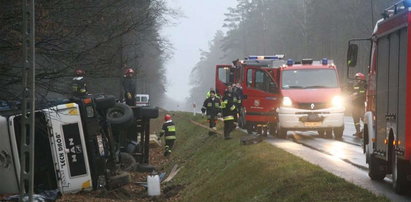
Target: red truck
<point>387,121</point>
<point>260,90</point>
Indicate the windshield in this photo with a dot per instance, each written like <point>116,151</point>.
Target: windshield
<point>309,78</point>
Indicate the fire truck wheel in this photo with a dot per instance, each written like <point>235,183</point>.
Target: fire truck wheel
<point>120,114</point>
<point>260,130</point>
<point>338,132</point>
<point>328,133</point>
<point>272,129</point>
<point>374,170</point>
<point>321,132</point>
<point>249,128</point>
<point>399,174</point>
<point>282,133</point>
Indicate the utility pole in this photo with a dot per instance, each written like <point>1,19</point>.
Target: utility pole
<point>28,104</point>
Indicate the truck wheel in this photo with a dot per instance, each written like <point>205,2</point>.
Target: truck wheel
<point>374,169</point>
<point>338,132</point>
<point>272,129</point>
<point>249,128</point>
<point>259,130</point>
<point>399,174</point>
<point>127,162</point>
<point>120,114</point>
<point>328,133</point>
<point>282,133</point>
<point>321,132</point>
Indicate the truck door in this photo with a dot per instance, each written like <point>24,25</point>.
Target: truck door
<point>262,97</point>
<point>224,76</point>
<point>69,148</point>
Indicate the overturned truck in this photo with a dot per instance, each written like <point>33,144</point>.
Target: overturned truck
<point>78,145</point>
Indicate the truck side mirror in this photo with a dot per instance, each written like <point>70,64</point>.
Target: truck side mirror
<point>352,55</point>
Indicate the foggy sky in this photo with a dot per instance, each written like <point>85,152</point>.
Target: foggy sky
<point>202,18</point>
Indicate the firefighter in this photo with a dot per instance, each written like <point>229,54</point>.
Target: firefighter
<point>229,112</point>
<point>129,86</point>
<point>79,86</point>
<point>209,92</point>
<point>212,106</point>
<point>358,101</point>
<point>169,131</point>
<point>237,98</point>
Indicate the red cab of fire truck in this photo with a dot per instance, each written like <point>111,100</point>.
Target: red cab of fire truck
<point>260,91</point>
<point>387,121</point>
<point>312,98</point>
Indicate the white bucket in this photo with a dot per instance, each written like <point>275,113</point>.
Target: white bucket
<point>153,185</point>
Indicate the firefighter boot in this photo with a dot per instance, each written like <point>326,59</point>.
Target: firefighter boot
<point>167,150</point>
<point>358,131</point>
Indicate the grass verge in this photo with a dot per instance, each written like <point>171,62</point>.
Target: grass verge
<point>214,169</point>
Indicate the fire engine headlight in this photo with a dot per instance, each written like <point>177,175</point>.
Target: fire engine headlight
<point>338,101</point>
<point>287,102</point>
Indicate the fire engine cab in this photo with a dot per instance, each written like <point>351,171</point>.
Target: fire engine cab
<point>261,94</point>
<point>387,128</point>
<point>311,98</point>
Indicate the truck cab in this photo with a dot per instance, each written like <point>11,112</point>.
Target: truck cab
<point>311,98</point>
<point>260,91</point>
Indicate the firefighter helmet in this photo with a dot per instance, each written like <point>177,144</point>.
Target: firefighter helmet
<point>79,72</point>
<point>167,117</point>
<point>360,76</point>
<point>129,72</point>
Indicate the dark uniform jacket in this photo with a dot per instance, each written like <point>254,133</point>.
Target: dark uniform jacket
<point>169,130</point>
<point>212,106</point>
<point>79,86</point>
<point>360,90</point>
<point>129,86</point>
<point>229,106</point>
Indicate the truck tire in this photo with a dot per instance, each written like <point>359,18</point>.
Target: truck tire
<point>127,162</point>
<point>104,101</point>
<point>328,133</point>
<point>321,133</point>
<point>282,133</point>
<point>374,170</point>
<point>249,128</point>
<point>338,132</point>
<point>272,129</point>
<point>399,174</point>
<point>120,115</point>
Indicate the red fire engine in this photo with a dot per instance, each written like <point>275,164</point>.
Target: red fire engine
<point>387,128</point>
<point>261,95</point>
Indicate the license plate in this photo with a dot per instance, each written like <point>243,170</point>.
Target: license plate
<point>312,124</point>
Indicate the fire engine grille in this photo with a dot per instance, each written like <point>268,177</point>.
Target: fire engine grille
<point>312,106</point>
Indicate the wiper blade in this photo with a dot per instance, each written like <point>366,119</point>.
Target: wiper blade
<point>317,87</point>
<point>295,86</point>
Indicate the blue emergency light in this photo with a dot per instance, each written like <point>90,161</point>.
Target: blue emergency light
<point>290,62</point>
<point>324,61</point>
<point>271,57</point>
